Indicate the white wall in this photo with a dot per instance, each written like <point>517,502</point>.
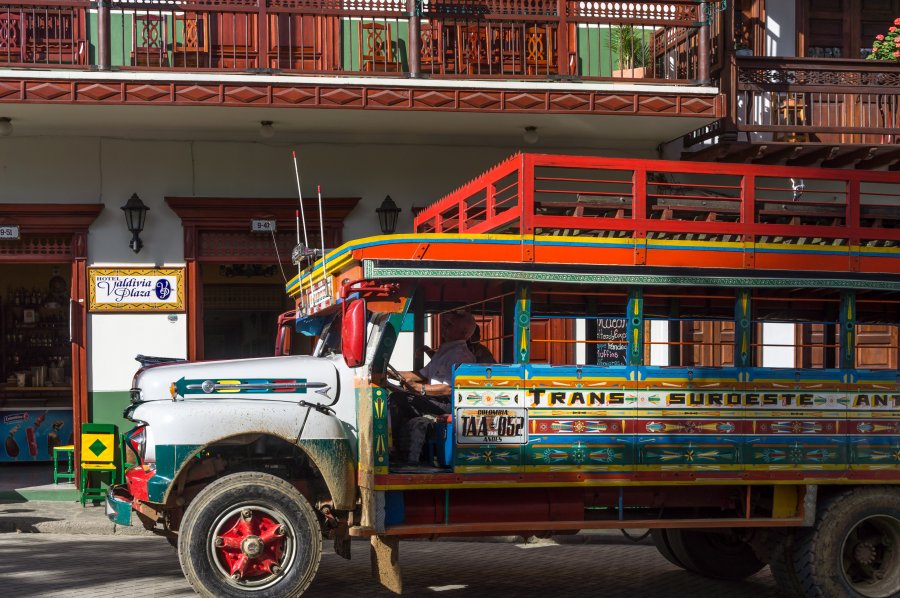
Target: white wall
<point>781,28</point>
<point>115,340</point>
<point>778,356</point>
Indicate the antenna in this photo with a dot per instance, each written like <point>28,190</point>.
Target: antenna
<point>300,195</point>
<point>300,252</point>
<point>322,236</point>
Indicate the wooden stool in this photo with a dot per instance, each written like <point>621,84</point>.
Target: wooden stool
<point>60,452</point>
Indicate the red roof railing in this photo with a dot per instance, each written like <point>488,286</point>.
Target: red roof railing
<point>537,194</point>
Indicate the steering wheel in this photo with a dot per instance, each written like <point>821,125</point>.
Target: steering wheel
<point>400,384</point>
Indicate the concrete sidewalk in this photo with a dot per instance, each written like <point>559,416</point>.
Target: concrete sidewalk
<point>58,517</point>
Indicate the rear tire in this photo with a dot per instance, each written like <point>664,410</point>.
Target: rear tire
<point>853,549</point>
<point>718,554</point>
<point>250,534</point>
<point>662,545</point>
<point>781,547</point>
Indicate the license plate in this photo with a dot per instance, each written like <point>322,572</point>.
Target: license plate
<point>491,426</point>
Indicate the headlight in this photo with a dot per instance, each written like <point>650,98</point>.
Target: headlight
<point>137,441</point>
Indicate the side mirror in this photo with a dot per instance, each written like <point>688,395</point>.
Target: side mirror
<point>353,333</point>
<point>283,341</point>
<point>283,336</point>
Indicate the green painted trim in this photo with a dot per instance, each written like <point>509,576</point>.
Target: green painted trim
<point>106,407</point>
<point>635,348</point>
<point>169,461</point>
<point>848,330</point>
<point>372,270</point>
<point>23,494</point>
<point>523,323</point>
<point>743,331</point>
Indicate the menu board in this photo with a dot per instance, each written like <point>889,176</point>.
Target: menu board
<point>613,348</point>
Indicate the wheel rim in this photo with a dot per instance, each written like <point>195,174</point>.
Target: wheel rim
<point>871,557</point>
<point>252,546</point>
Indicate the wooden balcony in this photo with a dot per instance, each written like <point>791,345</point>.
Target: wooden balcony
<point>807,111</point>
<point>663,43</point>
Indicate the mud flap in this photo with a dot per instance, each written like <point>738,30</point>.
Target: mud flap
<point>385,553</point>
<point>342,540</point>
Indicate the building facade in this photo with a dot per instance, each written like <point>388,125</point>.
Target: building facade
<point>196,107</point>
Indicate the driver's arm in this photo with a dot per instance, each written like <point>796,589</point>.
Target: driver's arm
<point>419,385</point>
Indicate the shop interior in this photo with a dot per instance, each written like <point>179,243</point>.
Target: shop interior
<point>35,361</point>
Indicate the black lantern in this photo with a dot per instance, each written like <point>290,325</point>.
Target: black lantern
<point>388,212</point>
<point>135,214</point>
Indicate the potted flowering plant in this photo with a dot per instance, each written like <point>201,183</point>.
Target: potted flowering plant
<point>887,47</point>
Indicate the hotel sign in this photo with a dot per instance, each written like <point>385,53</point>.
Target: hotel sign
<point>136,289</point>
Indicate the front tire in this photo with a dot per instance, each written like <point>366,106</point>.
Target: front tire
<point>250,534</point>
<point>853,549</point>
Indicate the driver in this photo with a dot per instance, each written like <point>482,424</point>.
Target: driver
<point>430,387</point>
<point>433,380</point>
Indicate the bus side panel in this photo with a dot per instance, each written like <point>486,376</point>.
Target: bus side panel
<point>581,419</point>
<point>873,423</point>
<point>690,420</point>
<point>799,420</point>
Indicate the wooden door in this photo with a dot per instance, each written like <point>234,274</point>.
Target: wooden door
<point>552,341</point>
<point>876,347</point>
<point>849,26</point>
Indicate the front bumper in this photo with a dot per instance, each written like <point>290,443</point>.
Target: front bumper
<point>118,504</point>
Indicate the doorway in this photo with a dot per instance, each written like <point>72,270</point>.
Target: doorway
<point>241,305</point>
<point>234,279</point>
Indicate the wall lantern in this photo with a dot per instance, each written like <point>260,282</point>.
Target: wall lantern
<point>135,214</point>
<point>388,212</point>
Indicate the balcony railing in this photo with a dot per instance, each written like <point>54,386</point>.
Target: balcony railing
<point>536,194</point>
<point>666,42</point>
<point>828,101</point>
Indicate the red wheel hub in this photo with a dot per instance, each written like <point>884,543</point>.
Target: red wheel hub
<point>251,545</point>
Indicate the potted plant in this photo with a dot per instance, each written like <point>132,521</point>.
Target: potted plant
<point>633,51</point>
<point>887,46</point>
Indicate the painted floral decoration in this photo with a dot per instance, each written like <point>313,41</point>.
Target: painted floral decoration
<point>887,46</point>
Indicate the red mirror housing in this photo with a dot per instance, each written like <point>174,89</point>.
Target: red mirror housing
<point>353,333</point>
<point>283,336</point>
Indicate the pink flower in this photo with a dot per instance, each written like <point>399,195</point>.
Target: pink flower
<point>897,21</point>
<point>896,54</point>
<point>892,29</point>
<point>879,37</point>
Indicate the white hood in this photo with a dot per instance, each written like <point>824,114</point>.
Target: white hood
<point>289,378</point>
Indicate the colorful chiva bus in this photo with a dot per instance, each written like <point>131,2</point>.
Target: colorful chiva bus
<point>707,351</point>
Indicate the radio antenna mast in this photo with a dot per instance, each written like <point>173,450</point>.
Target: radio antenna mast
<point>322,236</point>
<point>305,247</point>
<point>300,195</point>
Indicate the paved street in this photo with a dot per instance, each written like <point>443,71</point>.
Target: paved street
<point>86,565</point>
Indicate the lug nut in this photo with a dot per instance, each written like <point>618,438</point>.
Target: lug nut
<point>246,514</point>
<point>219,542</point>
<point>236,577</point>
<point>279,531</point>
<point>276,570</point>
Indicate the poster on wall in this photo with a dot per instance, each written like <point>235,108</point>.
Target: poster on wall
<point>29,435</point>
<point>612,350</point>
<point>136,289</point>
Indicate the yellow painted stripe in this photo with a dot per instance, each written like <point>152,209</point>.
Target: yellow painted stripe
<point>616,483</point>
